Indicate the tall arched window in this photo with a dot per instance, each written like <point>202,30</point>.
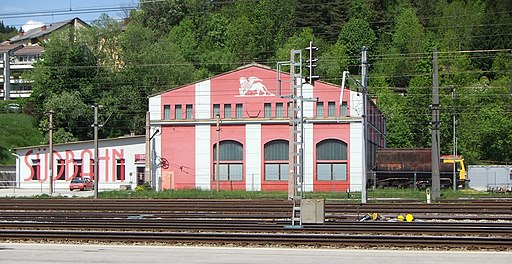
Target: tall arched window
<point>331,160</point>
<point>231,159</point>
<point>276,160</point>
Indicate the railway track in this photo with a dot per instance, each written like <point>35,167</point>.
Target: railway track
<point>243,222</point>
<point>246,209</point>
<point>263,239</point>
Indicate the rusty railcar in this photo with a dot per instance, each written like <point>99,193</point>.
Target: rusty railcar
<point>400,167</point>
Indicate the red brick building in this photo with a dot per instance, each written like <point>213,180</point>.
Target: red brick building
<point>255,133</point>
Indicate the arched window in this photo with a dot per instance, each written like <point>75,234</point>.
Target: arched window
<point>231,156</point>
<point>276,160</point>
<point>331,160</point>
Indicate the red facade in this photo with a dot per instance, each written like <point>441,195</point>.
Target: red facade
<point>253,113</point>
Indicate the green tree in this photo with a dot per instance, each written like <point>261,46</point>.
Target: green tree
<point>457,22</point>
<point>492,33</point>
<point>324,17</point>
<point>355,34</point>
<point>408,42</point>
<point>67,66</point>
<point>72,116</point>
<point>332,63</point>
<point>6,32</point>
<point>394,108</point>
<point>161,16</point>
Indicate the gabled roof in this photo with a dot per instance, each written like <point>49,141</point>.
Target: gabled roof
<point>44,30</point>
<point>30,50</point>
<point>215,76</point>
<point>6,47</point>
<point>222,74</point>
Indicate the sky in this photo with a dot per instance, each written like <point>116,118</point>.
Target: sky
<point>35,13</point>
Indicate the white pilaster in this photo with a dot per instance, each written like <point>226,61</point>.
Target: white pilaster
<point>203,157</point>
<point>253,154</point>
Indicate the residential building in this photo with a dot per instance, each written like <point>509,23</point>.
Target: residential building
<point>18,54</point>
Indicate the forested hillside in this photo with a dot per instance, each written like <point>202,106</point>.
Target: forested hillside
<point>169,43</point>
<point>6,32</point>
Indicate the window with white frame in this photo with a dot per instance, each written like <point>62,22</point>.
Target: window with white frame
<point>60,173</point>
<point>331,160</point>
<point>230,160</point>
<point>36,169</point>
<point>276,160</point>
<point>77,168</point>
<point>120,170</point>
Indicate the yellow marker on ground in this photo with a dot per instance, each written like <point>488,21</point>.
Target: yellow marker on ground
<point>409,218</point>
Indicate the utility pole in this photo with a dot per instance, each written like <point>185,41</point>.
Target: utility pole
<point>364,81</point>
<point>217,166</point>
<point>96,159</point>
<point>454,96</point>
<point>7,76</point>
<point>436,181</point>
<point>51,151</point>
<point>147,170</point>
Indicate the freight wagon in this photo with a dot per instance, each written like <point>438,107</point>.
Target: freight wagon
<point>399,167</point>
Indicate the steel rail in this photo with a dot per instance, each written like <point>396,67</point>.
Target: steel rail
<point>289,239</point>
<point>238,226</point>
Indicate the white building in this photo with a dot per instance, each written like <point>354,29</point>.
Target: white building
<point>121,163</point>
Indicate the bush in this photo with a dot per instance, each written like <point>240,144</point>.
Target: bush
<point>144,187</point>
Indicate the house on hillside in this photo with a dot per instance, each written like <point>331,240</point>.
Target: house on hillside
<point>19,53</point>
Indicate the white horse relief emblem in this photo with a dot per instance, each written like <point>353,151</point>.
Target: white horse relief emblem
<point>253,85</point>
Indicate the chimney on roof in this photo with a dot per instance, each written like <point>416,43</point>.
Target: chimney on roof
<point>43,27</point>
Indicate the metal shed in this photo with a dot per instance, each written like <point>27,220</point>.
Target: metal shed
<point>490,177</point>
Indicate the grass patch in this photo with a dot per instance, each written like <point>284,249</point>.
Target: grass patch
<point>385,194</point>
<point>192,194</point>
